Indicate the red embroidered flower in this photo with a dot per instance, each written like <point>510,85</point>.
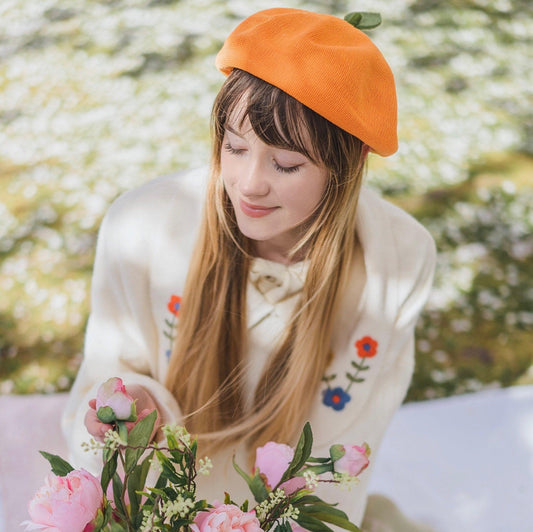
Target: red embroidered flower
<point>367,347</point>
<point>174,305</point>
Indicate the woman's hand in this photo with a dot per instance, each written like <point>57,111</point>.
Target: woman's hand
<point>144,403</point>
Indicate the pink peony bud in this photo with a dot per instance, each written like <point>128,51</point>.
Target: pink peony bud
<point>226,518</point>
<point>272,461</point>
<point>354,461</point>
<point>66,504</point>
<point>114,403</point>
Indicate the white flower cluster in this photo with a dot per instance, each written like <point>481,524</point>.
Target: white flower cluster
<point>179,432</point>
<point>112,440</point>
<point>205,465</point>
<point>346,481</point>
<point>156,464</point>
<point>311,480</point>
<point>92,445</point>
<point>276,498</point>
<point>290,512</point>
<point>179,507</point>
<point>147,524</point>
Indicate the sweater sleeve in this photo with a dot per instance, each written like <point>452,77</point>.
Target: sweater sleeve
<point>121,338</point>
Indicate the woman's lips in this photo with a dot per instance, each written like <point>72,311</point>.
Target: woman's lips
<point>255,211</point>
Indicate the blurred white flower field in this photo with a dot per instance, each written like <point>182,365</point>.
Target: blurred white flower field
<point>97,97</point>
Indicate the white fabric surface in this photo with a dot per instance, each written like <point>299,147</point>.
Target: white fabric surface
<point>462,464</point>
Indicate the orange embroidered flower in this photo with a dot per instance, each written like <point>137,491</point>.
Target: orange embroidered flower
<point>367,347</point>
<point>174,305</point>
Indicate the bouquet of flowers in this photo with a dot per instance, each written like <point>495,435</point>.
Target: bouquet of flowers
<point>282,482</point>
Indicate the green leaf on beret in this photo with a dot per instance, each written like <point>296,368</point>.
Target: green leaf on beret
<point>363,20</point>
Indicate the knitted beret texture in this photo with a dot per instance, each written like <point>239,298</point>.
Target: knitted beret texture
<point>325,63</point>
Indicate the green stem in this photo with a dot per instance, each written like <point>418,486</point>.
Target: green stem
<point>123,494</point>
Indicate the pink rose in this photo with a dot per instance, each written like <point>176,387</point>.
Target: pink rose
<point>114,403</point>
<point>272,461</point>
<point>226,518</point>
<point>66,504</point>
<point>354,461</point>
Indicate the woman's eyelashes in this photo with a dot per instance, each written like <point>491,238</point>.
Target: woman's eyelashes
<point>278,167</point>
<point>285,169</point>
<point>234,151</point>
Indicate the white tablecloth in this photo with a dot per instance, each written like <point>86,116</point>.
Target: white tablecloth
<point>462,464</point>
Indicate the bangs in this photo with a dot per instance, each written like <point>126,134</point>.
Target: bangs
<point>281,121</point>
<point>276,118</point>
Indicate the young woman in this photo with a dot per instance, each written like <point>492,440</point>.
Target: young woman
<point>281,290</point>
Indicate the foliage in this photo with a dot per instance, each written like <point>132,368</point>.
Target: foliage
<point>171,503</point>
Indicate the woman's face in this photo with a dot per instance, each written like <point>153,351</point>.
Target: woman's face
<point>272,190</point>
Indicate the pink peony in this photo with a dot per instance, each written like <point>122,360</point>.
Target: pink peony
<point>272,461</point>
<point>226,518</point>
<point>116,403</point>
<point>354,461</point>
<point>66,504</point>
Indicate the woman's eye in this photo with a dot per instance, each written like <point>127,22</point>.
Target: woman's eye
<point>286,169</point>
<point>235,151</point>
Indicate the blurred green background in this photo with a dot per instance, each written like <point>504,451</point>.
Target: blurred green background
<point>97,97</point>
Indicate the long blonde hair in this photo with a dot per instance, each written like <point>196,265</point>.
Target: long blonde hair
<point>209,355</point>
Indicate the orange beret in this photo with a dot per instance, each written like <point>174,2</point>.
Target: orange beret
<point>326,64</point>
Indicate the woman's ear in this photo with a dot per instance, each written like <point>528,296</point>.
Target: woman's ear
<point>364,151</point>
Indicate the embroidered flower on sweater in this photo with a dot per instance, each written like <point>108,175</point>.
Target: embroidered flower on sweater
<point>337,397</point>
<point>173,307</point>
<point>366,347</point>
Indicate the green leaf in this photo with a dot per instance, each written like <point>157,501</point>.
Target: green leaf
<point>98,521</point>
<point>300,498</point>
<point>59,466</point>
<point>363,20</point>
<point>320,469</point>
<point>255,483</point>
<point>118,488</point>
<point>136,482</point>
<point>311,523</point>
<point>285,526</point>
<point>117,527</point>
<point>301,453</point>
<point>139,436</point>
<point>320,460</point>
<point>331,515</point>
<point>109,470</point>
<point>361,366</point>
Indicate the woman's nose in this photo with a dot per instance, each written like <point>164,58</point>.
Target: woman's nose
<point>252,181</point>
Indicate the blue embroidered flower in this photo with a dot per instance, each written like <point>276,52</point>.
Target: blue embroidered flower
<point>336,398</point>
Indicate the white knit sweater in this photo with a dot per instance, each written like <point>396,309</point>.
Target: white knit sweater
<point>142,257</point>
